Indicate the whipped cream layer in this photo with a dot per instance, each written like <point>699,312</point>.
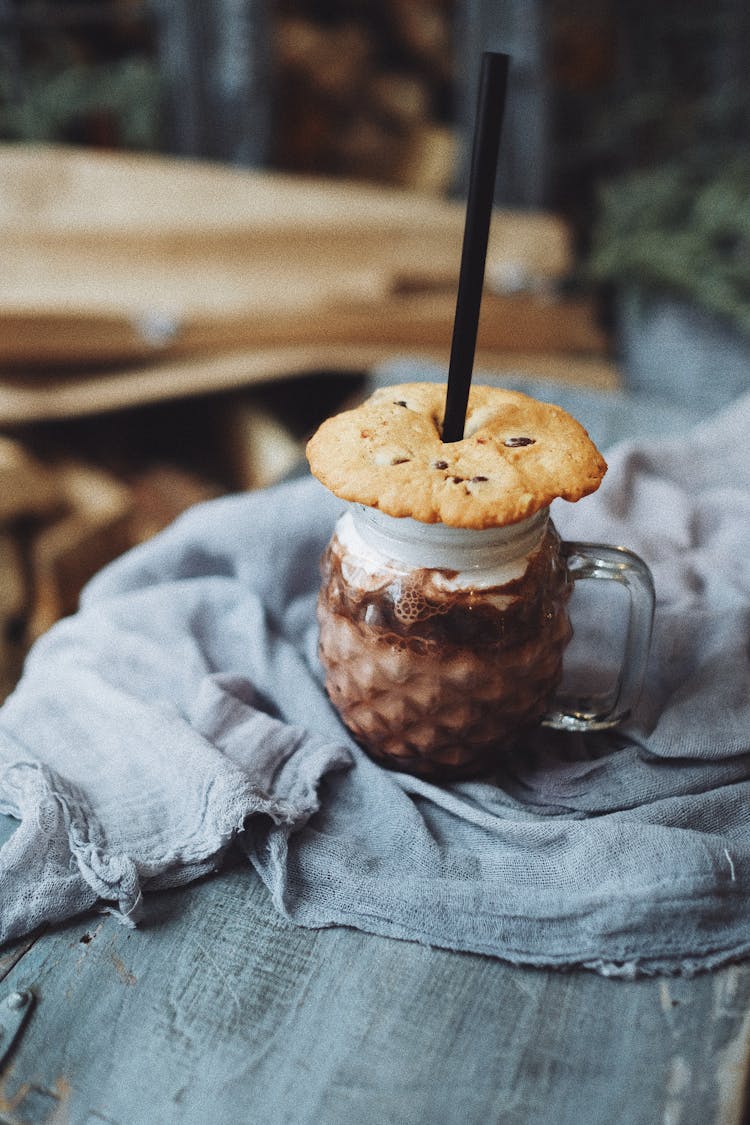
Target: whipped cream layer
<point>376,548</point>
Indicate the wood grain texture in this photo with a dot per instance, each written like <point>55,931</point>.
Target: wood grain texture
<point>95,392</point>
<point>516,322</point>
<point>73,194</point>
<point>219,1010</point>
<point>115,258</point>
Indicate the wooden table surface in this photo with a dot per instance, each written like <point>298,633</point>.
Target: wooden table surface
<point>218,1010</point>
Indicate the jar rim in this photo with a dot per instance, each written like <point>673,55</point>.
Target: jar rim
<point>439,546</point>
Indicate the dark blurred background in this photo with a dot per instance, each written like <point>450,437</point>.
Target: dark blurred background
<point>384,90</point>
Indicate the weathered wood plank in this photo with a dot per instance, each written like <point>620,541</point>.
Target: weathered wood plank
<point>12,952</point>
<point>218,1009</point>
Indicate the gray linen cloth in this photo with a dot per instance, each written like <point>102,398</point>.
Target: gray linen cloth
<point>182,709</point>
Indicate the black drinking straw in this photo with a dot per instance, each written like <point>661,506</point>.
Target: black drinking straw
<point>490,108</point>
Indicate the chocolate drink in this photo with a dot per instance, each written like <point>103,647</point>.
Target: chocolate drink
<point>434,668</point>
<point>444,607</point>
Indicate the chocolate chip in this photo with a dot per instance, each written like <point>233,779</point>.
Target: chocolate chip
<point>400,403</point>
<point>391,456</point>
<point>458,480</point>
<point>476,480</point>
<point>515,442</point>
<point>441,464</point>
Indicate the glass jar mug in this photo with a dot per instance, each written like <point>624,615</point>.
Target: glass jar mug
<point>441,644</point>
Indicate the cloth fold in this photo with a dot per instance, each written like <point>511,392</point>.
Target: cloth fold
<point>182,708</point>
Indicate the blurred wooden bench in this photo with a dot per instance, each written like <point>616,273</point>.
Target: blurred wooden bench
<point>131,278</point>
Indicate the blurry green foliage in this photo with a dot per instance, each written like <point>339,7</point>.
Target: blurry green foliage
<point>57,102</point>
<point>683,227</point>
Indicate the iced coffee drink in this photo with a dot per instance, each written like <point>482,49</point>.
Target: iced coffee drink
<point>443,608</point>
<point>434,667</point>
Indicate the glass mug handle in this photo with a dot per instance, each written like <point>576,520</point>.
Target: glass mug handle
<point>594,560</point>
